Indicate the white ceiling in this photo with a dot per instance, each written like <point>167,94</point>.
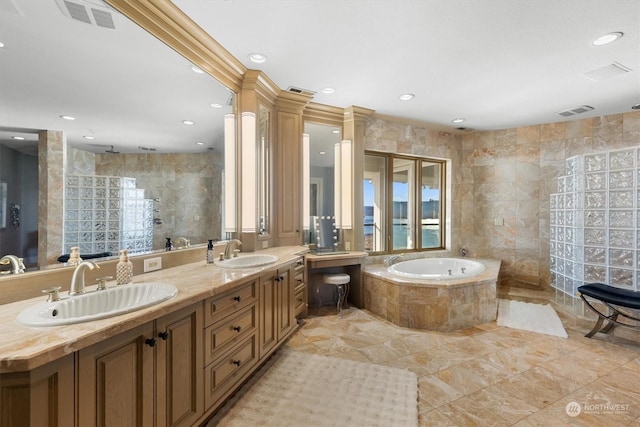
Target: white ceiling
<point>497,63</point>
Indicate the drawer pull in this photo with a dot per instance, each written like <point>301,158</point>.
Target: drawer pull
<point>237,328</point>
<point>299,280</point>
<point>299,299</point>
<point>237,298</point>
<point>236,362</point>
<point>151,342</point>
<point>163,335</point>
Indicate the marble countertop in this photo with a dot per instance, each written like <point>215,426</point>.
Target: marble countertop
<point>23,348</point>
<point>339,255</point>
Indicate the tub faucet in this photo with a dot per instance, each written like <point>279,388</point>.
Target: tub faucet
<point>390,260</point>
<point>17,266</point>
<point>77,280</point>
<point>231,245</point>
<point>463,252</point>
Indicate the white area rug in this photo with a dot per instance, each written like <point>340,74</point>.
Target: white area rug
<point>300,389</point>
<point>530,317</point>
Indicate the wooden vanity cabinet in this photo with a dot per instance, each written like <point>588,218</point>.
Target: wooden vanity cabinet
<point>42,397</point>
<point>300,293</point>
<point>150,375</point>
<point>230,342</point>
<point>277,318</point>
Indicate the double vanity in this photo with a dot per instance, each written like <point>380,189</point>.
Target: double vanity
<point>172,362</point>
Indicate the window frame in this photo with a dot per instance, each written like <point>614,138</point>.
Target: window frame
<point>416,195</point>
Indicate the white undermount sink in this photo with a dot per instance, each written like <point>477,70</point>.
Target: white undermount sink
<point>248,261</point>
<point>97,304</point>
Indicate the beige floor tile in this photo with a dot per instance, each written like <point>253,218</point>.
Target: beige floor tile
<point>468,412</point>
<point>471,376</point>
<point>507,406</point>
<point>488,374</point>
<point>433,392</point>
<point>539,387</point>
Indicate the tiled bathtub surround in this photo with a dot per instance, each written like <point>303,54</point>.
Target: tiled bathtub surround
<point>436,305</point>
<point>594,223</point>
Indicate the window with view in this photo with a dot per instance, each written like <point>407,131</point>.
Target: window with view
<point>403,203</point>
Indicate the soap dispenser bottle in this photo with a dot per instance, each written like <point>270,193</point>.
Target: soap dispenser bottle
<point>74,257</point>
<point>210,252</point>
<point>168,245</point>
<point>124,269</point>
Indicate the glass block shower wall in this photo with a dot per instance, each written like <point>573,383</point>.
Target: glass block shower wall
<point>594,219</point>
<point>106,213</point>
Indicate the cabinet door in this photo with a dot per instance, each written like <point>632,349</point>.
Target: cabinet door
<point>268,313</point>
<point>180,393</point>
<point>52,388</point>
<point>42,397</point>
<point>289,159</point>
<point>285,306</point>
<point>116,381</point>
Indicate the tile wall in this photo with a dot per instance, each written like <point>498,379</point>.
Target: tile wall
<point>506,177</point>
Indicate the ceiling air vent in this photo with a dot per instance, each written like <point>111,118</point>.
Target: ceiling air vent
<point>606,72</point>
<point>301,91</point>
<point>93,12</point>
<point>577,110</point>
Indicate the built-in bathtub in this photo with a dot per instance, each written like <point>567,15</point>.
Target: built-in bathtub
<point>436,268</point>
<point>439,294</point>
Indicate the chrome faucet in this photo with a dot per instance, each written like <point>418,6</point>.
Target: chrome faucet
<point>17,266</point>
<point>77,280</point>
<point>390,260</point>
<point>463,252</point>
<point>231,245</point>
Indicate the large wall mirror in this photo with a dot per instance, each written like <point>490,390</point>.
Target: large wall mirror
<point>140,111</point>
<point>320,186</point>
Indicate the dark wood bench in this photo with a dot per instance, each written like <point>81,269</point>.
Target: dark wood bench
<point>613,298</point>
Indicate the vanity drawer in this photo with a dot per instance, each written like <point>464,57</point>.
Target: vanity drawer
<point>220,306</point>
<point>221,336</point>
<point>221,376</point>
<point>299,299</point>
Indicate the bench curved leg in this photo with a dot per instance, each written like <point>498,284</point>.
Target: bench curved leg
<point>596,328</point>
<point>612,323</point>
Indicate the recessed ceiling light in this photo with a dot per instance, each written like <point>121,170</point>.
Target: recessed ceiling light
<point>89,137</point>
<point>188,122</point>
<point>458,120</point>
<point>1,44</point>
<point>257,58</point>
<point>323,152</point>
<point>335,131</point>
<point>635,107</point>
<point>216,105</point>
<point>328,90</point>
<point>407,96</point>
<point>196,69</point>
<point>199,143</point>
<point>67,117</point>
<point>19,138</point>
<point>607,38</point>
